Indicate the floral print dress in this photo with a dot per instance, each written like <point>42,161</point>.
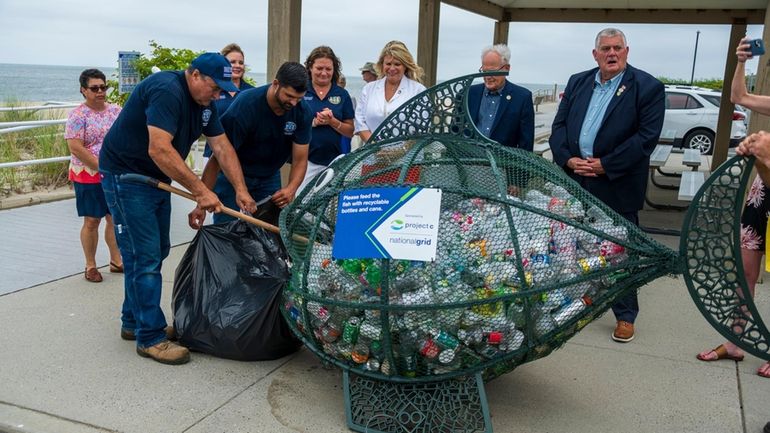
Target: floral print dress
<point>754,217</point>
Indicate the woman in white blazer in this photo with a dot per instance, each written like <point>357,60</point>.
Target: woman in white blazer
<point>400,79</point>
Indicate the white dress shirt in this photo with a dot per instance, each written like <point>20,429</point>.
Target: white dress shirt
<point>372,107</point>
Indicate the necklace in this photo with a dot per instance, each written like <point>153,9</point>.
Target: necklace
<point>320,92</point>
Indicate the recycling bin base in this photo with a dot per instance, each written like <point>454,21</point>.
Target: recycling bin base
<point>376,406</point>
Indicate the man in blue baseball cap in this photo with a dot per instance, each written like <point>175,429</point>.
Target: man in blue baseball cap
<point>152,136</point>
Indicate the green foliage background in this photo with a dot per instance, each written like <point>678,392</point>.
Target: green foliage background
<point>167,59</point>
<point>707,83</point>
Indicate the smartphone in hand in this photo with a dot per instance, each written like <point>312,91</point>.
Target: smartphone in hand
<point>756,47</point>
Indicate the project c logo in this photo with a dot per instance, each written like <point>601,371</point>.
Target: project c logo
<point>396,224</point>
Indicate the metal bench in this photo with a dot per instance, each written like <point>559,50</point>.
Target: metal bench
<point>658,159</point>
<point>660,155</point>
<point>690,184</point>
<point>692,158</point>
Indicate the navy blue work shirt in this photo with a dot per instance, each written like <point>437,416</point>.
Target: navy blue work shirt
<point>262,139</point>
<point>162,100</point>
<point>327,142</point>
<point>222,104</point>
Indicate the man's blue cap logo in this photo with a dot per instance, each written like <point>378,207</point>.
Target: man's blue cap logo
<point>217,67</point>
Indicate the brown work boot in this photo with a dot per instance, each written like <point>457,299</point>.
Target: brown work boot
<point>624,332</point>
<point>166,352</point>
<point>128,334</point>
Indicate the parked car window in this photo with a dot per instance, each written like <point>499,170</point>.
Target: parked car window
<point>714,99</point>
<point>676,101</point>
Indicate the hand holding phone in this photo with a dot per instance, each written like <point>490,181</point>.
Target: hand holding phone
<point>756,47</point>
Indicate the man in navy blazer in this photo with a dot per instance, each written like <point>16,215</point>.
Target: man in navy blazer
<point>607,125</point>
<point>501,110</point>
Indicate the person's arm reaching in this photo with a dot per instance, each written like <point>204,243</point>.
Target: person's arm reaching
<point>739,94</point>
<point>168,160</point>
<point>285,195</point>
<point>227,160</point>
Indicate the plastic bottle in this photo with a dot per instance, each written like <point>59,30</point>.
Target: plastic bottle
<point>516,315</point>
<point>571,310</point>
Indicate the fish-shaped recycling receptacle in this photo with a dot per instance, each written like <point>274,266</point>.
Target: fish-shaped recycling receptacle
<point>519,260</point>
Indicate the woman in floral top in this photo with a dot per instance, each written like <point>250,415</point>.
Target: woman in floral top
<point>85,130</point>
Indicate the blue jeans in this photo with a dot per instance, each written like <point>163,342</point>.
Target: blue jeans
<point>142,217</point>
<point>627,307</point>
<point>259,188</point>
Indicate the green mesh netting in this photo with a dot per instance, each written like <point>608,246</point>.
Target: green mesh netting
<point>525,257</point>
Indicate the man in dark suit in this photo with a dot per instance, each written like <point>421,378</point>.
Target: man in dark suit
<point>501,110</point>
<point>605,129</point>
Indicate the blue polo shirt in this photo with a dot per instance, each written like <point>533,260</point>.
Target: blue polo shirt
<point>327,142</point>
<point>262,139</point>
<point>222,104</point>
<point>225,98</point>
<point>162,100</point>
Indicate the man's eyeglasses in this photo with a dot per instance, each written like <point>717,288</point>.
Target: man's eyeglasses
<point>481,69</point>
<point>97,89</point>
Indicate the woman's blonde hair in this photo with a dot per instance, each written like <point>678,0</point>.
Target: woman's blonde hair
<point>229,48</point>
<point>398,51</point>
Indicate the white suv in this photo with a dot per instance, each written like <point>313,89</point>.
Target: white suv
<point>691,118</point>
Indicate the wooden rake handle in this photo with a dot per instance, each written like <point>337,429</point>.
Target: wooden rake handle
<point>139,178</point>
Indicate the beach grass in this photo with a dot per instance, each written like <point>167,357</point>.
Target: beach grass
<point>30,144</point>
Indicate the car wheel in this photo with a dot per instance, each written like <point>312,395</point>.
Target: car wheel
<point>700,139</point>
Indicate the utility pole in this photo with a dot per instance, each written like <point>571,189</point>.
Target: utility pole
<point>694,56</point>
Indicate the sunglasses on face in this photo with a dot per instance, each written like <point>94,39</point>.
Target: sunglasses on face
<point>97,89</point>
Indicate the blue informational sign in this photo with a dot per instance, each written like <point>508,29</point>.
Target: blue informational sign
<point>391,223</point>
<point>128,76</point>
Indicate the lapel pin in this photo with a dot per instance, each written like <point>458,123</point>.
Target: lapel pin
<point>508,97</point>
<point>621,90</point>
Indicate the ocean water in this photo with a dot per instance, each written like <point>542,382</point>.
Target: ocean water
<point>40,83</point>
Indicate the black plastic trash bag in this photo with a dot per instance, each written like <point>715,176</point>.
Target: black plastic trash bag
<point>227,289</point>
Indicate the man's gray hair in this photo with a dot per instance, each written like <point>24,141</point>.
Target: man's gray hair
<point>501,49</point>
<point>608,33</point>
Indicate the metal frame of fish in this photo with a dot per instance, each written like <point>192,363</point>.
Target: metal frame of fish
<point>525,256</point>
<point>713,266</point>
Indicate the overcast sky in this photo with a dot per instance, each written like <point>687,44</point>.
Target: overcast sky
<point>88,33</point>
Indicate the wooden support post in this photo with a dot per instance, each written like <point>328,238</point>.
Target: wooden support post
<point>725,120</point>
<point>284,22</point>
<point>759,122</point>
<point>427,39</point>
<point>501,33</point>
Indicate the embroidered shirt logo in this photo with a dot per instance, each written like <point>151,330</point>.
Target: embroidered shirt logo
<point>335,99</point>
<point>206,116</point>
<point>289,128</point>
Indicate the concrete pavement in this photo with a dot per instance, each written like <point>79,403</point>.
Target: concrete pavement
<point>63,368</point>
